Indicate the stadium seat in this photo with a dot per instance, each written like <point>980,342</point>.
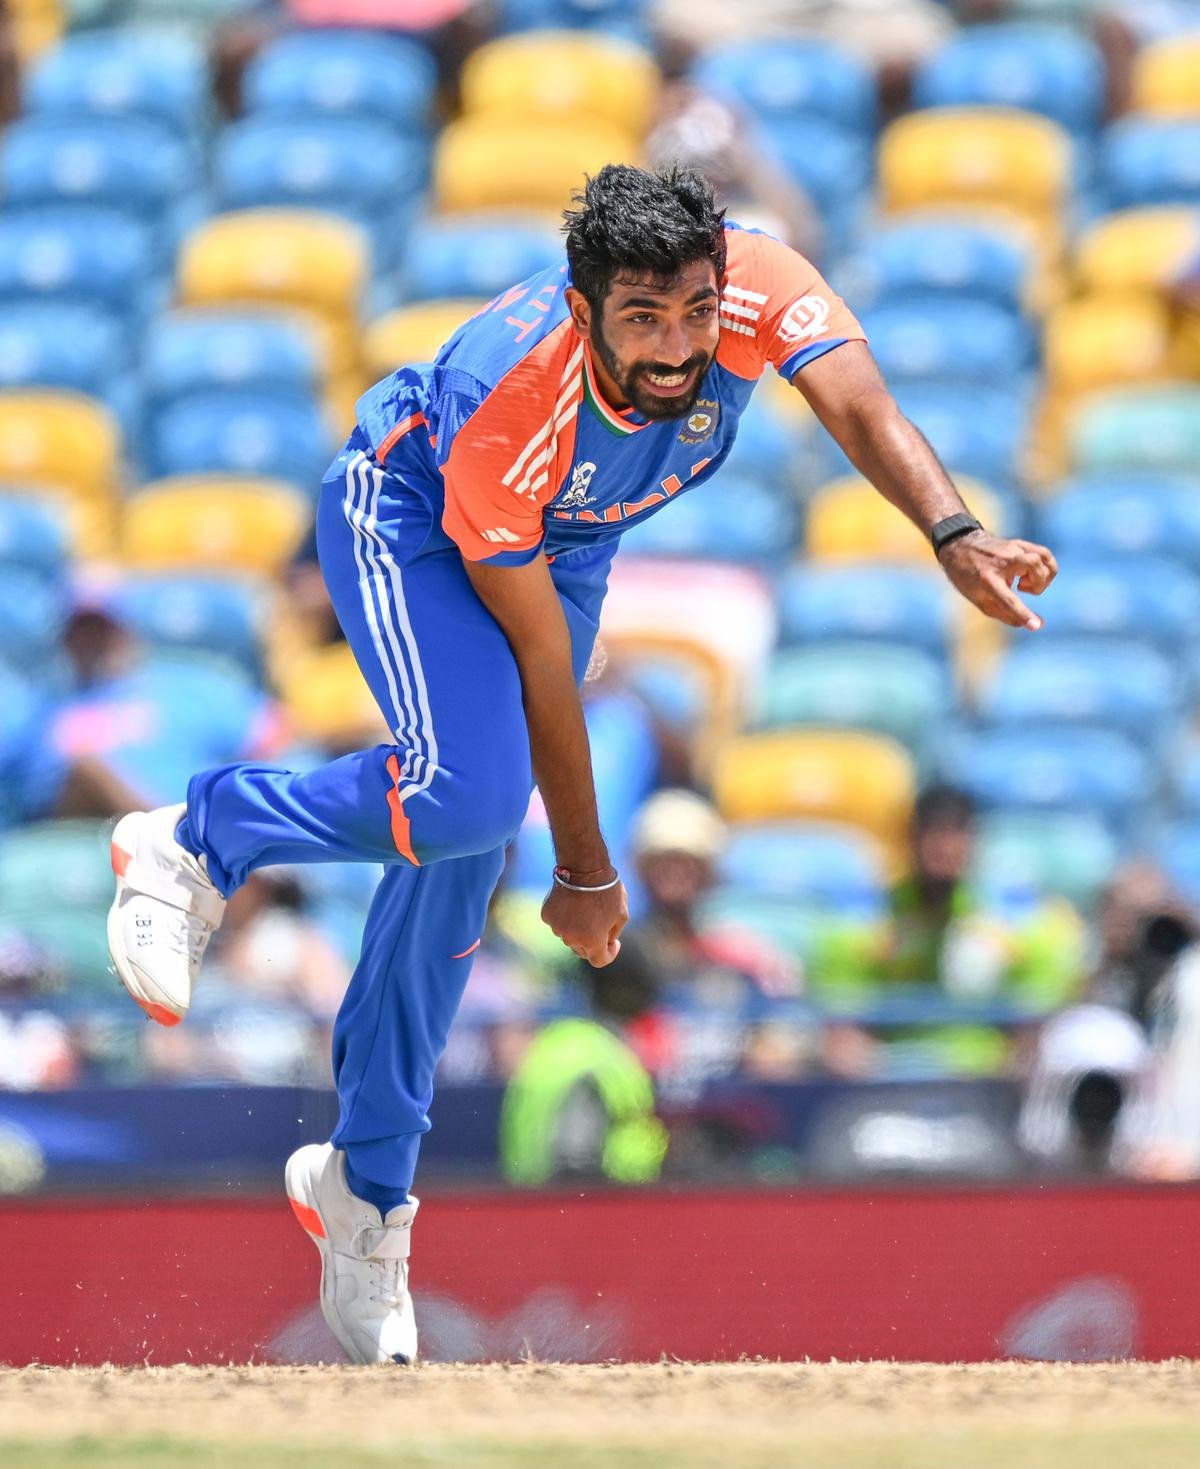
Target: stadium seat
<point>188,351</point>
<point>978,431</point>
<point>69,859</point>
<point>32,615</point>
<point>1137,249</point>
<point>835,866</point>
<point>1144,161</point>
<point>789,79</point>
<point>1071,853</point>
<point>848,520</point>
<point>730,518</point>
<point>1131,513</point>
<point>1177,849</point>
<point>1036,68</point>
<point>1166,77</point>
<point>281,257</point>
<point>124,72</point>
<point>863,780</point>
<point>326,698</point>
<point>61,440</point>
<point>868,602</point>
<point>271,431</point>
<point>214,523</point>
<point>832,165</point>
<point>35,26</point>
<point>1107,339</point>
<point>892,690</point>
<point>475,256</point>
<point>307,74</point>
<point>412,334</point>
<point>1144,428</point>
<point>220,615</point>
<point>955,156</point>
<point>686,687</point>
<point>32,536</point>
<point>788,926</point>
<point>1143,596</point>
<point>613,17</point>
<point>769,447</point>
<point>954,340</point>
<point>350,166</point>
<point>56,344</point>
<point>481,161</point>
<point>923,258</point>
<point>562,75</point>
<point>1055,767</point>
<point>1119,683</point>
<point>83,253</point>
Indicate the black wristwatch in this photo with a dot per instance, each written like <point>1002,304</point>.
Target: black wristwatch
<point>951,528</point>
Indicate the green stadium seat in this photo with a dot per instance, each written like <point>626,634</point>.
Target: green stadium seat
<point>1138,428</point>
<point>63,864</point>
<point>1069,853</point>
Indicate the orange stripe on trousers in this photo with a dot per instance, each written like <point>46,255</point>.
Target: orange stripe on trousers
<point>401,835</point>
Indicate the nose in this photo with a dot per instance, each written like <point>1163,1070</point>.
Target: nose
<point>674,347</point>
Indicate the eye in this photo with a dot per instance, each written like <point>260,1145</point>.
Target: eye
<point>704,311</point>
<point>640,318</point>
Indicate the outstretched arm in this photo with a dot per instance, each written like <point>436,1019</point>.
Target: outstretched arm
<point>848,394</point>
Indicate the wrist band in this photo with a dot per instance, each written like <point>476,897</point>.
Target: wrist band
<point>562,876</point>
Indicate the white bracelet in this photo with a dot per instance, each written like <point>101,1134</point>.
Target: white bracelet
<point>575,887</point>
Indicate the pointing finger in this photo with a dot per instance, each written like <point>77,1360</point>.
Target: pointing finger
<point>1010,608</point>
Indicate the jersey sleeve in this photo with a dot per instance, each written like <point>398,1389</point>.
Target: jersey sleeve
<point>501,451</point>
<point>777,310</point>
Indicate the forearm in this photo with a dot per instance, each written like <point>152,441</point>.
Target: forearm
<point>891,452</point>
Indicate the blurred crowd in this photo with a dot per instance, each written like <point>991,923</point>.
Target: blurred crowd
<point>867,837</point>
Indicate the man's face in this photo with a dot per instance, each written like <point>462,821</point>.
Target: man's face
<point>653,340</point>
<point>943,852</point>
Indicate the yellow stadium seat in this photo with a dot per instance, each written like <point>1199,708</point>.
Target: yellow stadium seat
<point>849,520</point>
<point>563,74</point>
<point>313,262</point>
<point>60,440</point>
<point>412,334</point>
<point>865,780</point>
<point>37,26</point>
<point>1137,249</point>
<point>210,521</point>
<point>91,525</point>
<point>1107,339</point>
<point>991,156</point>
<point>1166,77</point>
<point>491,161</point>
<point>327,699</point>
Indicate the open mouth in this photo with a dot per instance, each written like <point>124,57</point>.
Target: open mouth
<point>669,384</point>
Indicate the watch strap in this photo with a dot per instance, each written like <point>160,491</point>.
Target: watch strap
<point>949,529</point>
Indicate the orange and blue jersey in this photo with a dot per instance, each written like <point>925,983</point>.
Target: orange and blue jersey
<point>508,439</point>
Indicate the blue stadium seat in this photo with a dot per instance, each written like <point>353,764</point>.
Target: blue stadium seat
<point>768,447</point>
<point>1177,849</point>
<point>355,167</point>
<point>954,340</point>
<point>33,537</point>
<point>845,603</point>
<point>730,518</point>
<point>819,862</point>
<point>218,615</point>
<point>474,256</point>
<point>783,81</point>
<point>123,72</point>
<point>62,345</point>
<point>1038,68</point>
<point>187,351</point>
<point>362,74</point>
<point>275,432</point>
<point>921,258</point>
<point>1150,161</point>
<point>1120,683</point>
<point>79,253</point>
<point>833,165</point>
<point>1124,514</point>
<point>1150,597</point>
<point>625,18</point>
<point>1185,783</point>
<point>126,163</point>
<point>1052,768</point>
<point>32,613</point>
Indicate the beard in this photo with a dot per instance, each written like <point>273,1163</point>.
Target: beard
<point>631,380</point>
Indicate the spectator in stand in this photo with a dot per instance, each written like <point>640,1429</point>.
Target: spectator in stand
<point>36,1049</point>
<point>942,933</point>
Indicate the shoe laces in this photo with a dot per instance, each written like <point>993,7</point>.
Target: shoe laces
<point>389,1275</point>
<point>188,935</point>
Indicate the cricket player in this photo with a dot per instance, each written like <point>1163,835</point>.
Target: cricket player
<point>466,532</point>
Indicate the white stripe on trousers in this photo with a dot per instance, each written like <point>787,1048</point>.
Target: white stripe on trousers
<point>413,725</point>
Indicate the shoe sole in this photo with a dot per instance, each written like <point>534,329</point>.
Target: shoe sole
<point>139,988</point>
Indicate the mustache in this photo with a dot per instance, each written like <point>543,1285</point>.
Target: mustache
<point>665,369</point>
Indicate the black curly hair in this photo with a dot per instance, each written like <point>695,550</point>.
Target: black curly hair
<point>637,222</point>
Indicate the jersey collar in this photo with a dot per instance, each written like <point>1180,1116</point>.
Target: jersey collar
<point>621,424</point>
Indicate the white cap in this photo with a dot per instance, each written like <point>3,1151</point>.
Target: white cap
<point>678,821</point>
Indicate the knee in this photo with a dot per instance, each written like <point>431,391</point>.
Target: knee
<point>473,811</point>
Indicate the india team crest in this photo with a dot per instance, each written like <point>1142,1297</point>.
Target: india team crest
<point>701,422</point>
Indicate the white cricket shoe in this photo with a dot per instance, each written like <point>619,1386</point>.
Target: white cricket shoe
<point>364,1258</point>
<point>165,911</point>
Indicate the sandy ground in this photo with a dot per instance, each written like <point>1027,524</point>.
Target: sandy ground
<point>670,1414</point>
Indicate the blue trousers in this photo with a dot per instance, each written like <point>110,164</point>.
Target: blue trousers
<point>438,805</point>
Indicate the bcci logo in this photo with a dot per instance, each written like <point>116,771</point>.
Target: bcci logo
<point>701,422</point>
<point>577,496</point>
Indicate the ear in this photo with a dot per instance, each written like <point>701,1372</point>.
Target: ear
<point>581,312</point>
